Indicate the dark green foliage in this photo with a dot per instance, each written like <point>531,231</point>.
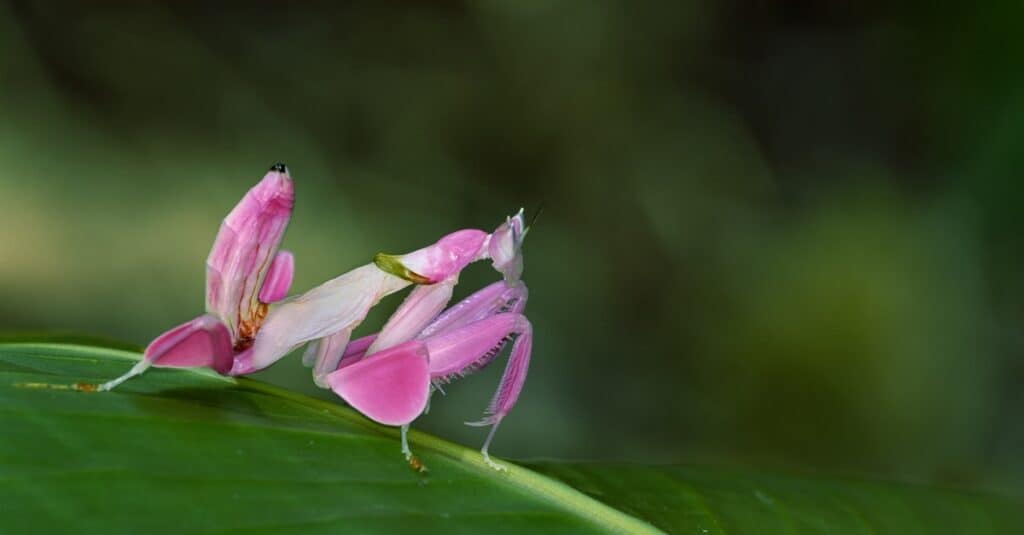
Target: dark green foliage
<point>185,451</point>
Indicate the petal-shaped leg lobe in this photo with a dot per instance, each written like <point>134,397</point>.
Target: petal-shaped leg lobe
<point>390,387</point>
<point>279,278</point>
<point>204,341</point>
<point>419,309</point>
<point>245,247</point>
<point>330,351</point>
<point>356,350</point>
<point>242,364</point>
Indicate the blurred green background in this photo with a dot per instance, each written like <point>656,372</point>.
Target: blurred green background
<point>776,233</point>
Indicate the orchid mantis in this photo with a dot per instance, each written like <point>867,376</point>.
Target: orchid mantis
<point>389,376</point>
<point>245,272</point>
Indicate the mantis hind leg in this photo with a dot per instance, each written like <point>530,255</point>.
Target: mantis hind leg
<point>487,444</point>
<point>405,442</point>
<point>203,341</point>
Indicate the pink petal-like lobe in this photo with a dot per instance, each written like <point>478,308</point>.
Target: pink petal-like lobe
<point>416,312</point>
<point>242,364</point>
<point>204,341</point>
<point>391,387</point>
<point>242,253</point>
<point>358,347</point>
<point>330,350</point>
<point>279,278</point>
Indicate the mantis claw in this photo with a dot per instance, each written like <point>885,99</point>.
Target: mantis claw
<point>487,456</point>
<point>487,443</point>
<point>140,367</point>
<point>492,464</point>
<point>414,462</point>
<point>405,442</point>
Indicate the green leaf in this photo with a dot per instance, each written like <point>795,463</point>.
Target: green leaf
<point>190,451</point>
<point>688,499</point>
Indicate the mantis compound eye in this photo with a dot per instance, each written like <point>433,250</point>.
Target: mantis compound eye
<point>279,167</point>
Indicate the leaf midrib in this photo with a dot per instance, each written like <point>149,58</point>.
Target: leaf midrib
<point>519,479</point>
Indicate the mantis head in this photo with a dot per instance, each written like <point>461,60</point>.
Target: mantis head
<point>505,247</point>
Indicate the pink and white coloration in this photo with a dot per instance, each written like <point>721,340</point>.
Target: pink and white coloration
<point>244,273</point>
<point>327,314</point>
<point>393,386</point>
<point>389,376</point>
<point>420,348</point>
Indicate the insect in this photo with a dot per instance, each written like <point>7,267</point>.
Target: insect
<point>391,380</point>
<point>389,376</point>
<point>245,272</point>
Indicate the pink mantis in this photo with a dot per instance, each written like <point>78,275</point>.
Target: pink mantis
<point>388,376</point>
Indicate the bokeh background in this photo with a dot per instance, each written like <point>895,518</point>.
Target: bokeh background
<point>781,234</point>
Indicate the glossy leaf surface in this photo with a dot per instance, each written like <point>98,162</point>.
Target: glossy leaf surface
<point>182,451</point>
